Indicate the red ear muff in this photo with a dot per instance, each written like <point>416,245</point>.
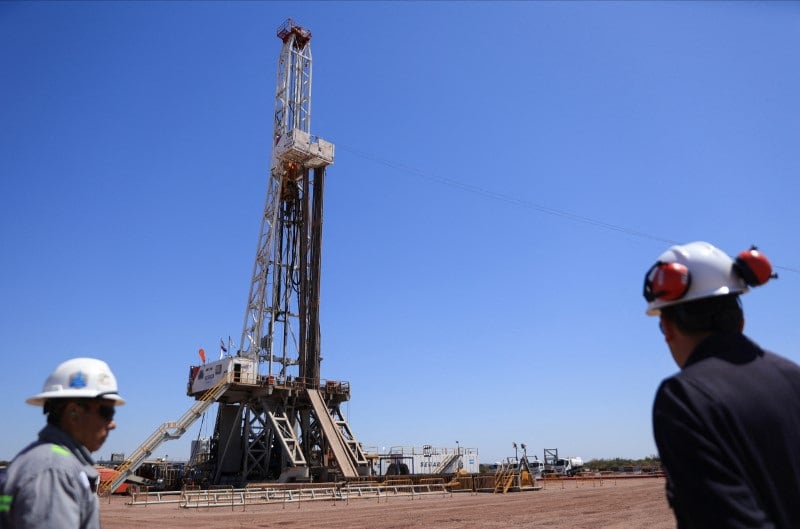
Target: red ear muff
<point>666,281</point>
<point>754,267</point>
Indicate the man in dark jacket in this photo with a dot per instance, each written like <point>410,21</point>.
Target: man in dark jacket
<point>727,426</point>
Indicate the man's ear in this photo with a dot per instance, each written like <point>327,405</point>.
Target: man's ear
<point>667,328</point>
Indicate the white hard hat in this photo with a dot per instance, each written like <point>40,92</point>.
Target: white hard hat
<point>79,378</point>
<point>700,270</point>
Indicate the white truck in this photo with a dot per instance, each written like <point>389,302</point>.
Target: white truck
<point>568,466</point>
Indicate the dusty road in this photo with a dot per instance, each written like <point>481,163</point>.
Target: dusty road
<point>612,504</point>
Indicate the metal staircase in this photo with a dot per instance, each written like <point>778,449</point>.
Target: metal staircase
<point>165,432</point>
<point>342,442</point>
<point>447,462</point>
<point>503,480</point>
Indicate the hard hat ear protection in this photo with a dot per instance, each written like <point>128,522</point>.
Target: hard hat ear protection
<point>754,267</point>
<point>670,281</point>
<point>666,281</point>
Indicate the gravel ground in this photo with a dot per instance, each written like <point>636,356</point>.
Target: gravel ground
<point>610,503</point>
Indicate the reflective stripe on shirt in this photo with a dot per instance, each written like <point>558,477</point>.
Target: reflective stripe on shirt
<point>60,450</point>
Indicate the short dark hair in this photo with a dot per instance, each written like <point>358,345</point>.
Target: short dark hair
<point>54,408</point>
<point>715,314</point>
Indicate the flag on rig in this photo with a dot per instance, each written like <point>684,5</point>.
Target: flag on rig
<point>222,349</point>
<point>202,354</point>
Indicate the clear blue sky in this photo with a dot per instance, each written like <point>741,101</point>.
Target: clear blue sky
<point>505,173</point>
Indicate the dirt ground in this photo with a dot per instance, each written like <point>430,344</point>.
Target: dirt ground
<point>610,503</point>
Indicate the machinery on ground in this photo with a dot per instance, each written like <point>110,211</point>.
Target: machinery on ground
<point>565,466</point>
<point>536,467</point>
<point>426,460</point>
<point>568,466</point>
<point>516,473</point>
<point>276,418</point>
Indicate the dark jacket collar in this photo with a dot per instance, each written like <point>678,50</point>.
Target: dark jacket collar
<point>733,347</point>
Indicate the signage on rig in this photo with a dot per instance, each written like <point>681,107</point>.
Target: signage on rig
<point>237,370</point>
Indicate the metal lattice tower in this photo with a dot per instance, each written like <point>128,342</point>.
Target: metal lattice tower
<point>276,418</point>
<point>284,422</point>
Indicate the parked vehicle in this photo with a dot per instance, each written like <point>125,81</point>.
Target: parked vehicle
<point>568,466</point>
<point>536,467</point>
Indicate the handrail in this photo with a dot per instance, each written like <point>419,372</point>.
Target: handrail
<point>164,432</point>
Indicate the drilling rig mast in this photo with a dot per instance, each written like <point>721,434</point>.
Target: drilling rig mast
<point>277,419</point>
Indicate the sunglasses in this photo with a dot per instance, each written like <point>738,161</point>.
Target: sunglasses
<point>105,412</point>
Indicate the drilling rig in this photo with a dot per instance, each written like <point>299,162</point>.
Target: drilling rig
<point>277,420</point>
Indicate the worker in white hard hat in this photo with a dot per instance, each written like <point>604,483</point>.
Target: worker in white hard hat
<point>52,483</point>
<point>727,425</point>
